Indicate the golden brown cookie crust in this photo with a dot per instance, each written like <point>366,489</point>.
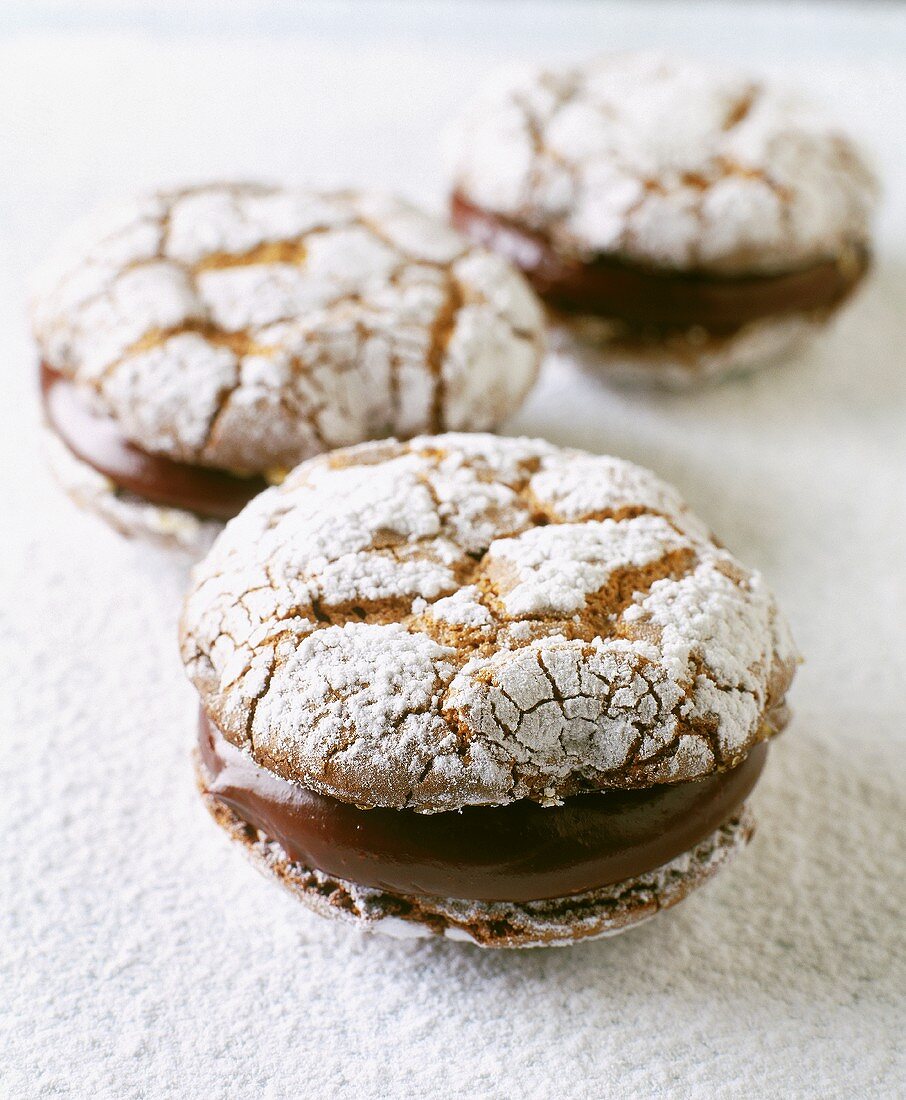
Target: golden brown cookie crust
<point>472,620</point>
<point>666,162</point>
<point>248,327</point>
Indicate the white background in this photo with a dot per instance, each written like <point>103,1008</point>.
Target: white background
<point>139,955</point>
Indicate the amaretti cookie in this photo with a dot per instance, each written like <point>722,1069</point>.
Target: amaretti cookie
<point>482,687</point>
<point>197,343</point>
<point>684,222</point>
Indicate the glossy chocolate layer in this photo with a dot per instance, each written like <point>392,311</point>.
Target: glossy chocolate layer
<point>647,298</point>
<point>520,852</point>
<point>98,441</point>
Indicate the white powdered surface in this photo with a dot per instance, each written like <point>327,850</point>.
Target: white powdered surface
<point>139,955</point>
<point>196,316</point>
<point>666,162</point>
<point>622,649</point>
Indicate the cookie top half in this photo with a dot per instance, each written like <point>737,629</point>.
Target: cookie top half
<point>468,619</point>
<point>665,162</point>
<point>247,327</point>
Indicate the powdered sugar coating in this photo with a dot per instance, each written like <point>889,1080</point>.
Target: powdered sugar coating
<point>665,162</point>
<point>471,620</point>
<point>250,327</point>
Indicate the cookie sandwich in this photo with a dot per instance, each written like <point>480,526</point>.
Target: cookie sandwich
<point>683,222</point>
<point>482,688</point>
<point>195,344</point>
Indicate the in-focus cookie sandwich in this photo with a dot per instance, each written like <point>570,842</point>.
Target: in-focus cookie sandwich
<point>196,343</point>
<point>482,687</point>
<point>685,222</point>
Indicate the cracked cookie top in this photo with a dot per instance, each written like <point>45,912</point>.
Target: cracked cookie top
<point>665,163</point>
<point>249,327</point>
<point>467,619</point>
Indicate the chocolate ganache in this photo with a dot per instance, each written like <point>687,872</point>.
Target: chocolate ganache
<point>517,852</point>
<point>651,299</point>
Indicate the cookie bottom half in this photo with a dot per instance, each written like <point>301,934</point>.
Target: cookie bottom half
<point>551,923</point>
<point>681,360</point>
<point>172,528</point>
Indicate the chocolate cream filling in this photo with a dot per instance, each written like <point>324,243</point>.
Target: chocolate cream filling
<point>98,441</point>
<point>661,300</point>
<point>518,852</point>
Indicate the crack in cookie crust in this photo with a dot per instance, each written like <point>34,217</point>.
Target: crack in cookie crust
<point>249,327</point>
<point>666,163</point>
<point>466,619</point>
